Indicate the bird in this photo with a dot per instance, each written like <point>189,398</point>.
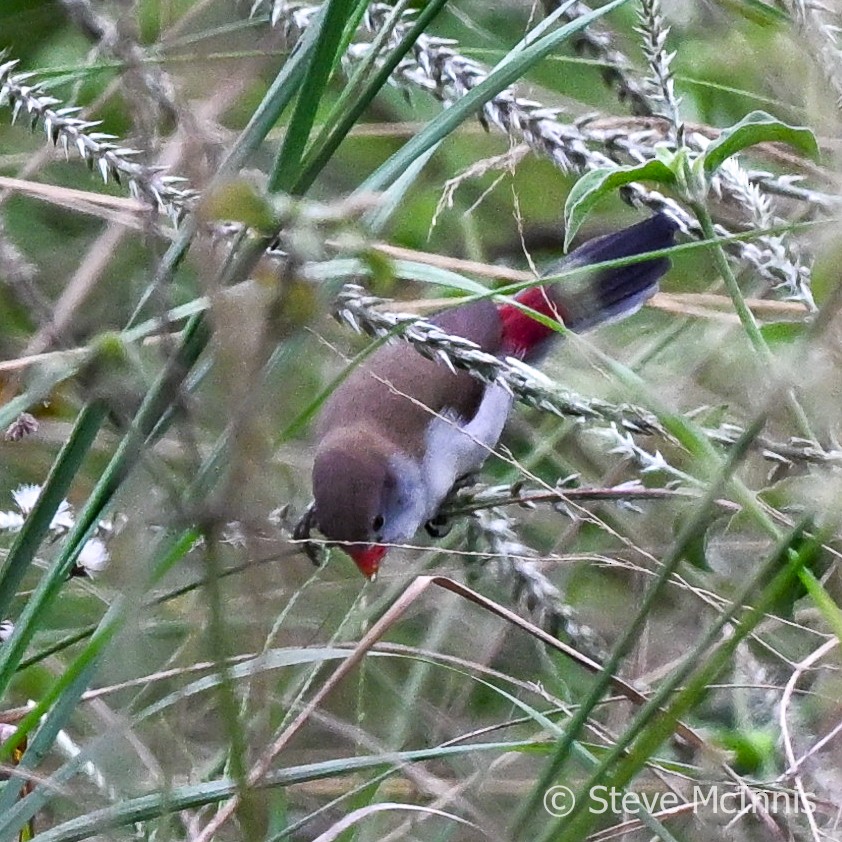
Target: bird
<point>402,430</point>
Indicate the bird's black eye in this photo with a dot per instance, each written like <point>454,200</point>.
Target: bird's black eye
<point>377,523</point>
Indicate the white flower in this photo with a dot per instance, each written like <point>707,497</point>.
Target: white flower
<point>63,519</point>
<point>7,628</point>
<point>11,521</point>
<point>25,497</point>
<point>94,557</point>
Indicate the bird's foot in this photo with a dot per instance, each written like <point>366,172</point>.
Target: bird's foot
<point>441,523</point>
<point>315,552</point>
<point>438,526</point>
<point>465,481</point>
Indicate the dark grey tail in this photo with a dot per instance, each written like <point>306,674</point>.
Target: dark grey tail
<point>611,293</point>
<point>591,298</point>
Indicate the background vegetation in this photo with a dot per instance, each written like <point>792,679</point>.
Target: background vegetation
<point>186,187</point>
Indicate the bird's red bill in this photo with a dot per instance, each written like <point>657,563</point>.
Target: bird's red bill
<point>367,557</point>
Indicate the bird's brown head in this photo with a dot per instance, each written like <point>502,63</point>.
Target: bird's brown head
<point>351,487</point>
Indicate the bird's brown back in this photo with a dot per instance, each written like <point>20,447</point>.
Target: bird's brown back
<point>384,380</point>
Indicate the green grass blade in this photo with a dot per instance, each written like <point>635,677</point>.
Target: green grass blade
<point>55,489</point>
<point>155,403</point>
<point>499,79</point>
<point>669,563</point>
<point>324,59</point>
<point>152,806</point>
<point>56,709</point>
<point>654,723</point>
<point>324,147</point>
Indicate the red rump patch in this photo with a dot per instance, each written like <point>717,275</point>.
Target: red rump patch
<point>523,335</point>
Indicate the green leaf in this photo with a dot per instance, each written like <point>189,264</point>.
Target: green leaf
<point>591,187</point>
<point>755,11</point>
<point>783,333</point>
<point>753,749</point>
<point>238,201</point>
<point>381,270</point>
<point>758,127</point>
<point>695,553</point>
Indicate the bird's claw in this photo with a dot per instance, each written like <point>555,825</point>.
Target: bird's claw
<point>315,552</point>
<point>438,526</point>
